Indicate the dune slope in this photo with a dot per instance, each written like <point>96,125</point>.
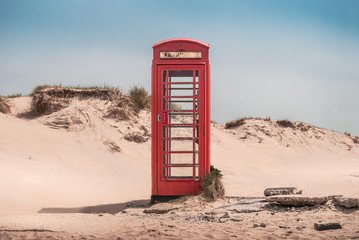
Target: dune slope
<point>78,156</point>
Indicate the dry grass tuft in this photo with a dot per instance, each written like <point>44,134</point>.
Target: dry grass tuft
<point>235,123</point>
<point>139,98</point>
<point>4,106</point>
<point>212,186</point>
<point>285,123</point>
<point>98,93</point>
<point>113,146</point>
<point>46,100</point>
<point>303,127</point>
<point>118,114</point>
<point>42,104</point>
<point>355,139</point>
<point>136,137</point>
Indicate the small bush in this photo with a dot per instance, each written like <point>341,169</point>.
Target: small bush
<point>285,123</point>
<point>235,123</point>
<point>139,97</point>
<point>212,185</point>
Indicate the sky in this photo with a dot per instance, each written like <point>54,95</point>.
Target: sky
<point>296,60</point>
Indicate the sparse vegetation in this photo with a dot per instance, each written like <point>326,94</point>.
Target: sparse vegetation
<point>43,104</point>
<point>4,106</point>
<point>212,185</point>
<point>123,102</point>
<point>15,95</point>
<point>304,127</point>
<point>214,122</point>
<point>355,139</point>
<point>112,145</point>
<point>47,99</point>
<point>42,87</point>
<point>79,87</point>
<point>136,137</point>
<point>139,97</point>
<point>285,123</point>
<point>118,113</point>
<point>235,123</point>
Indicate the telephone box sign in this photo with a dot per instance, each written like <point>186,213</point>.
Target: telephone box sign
<point>180,117</point>
<point>180,54</point>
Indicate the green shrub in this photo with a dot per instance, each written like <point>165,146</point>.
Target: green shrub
<point>212,185</point>
<point>139,97</point>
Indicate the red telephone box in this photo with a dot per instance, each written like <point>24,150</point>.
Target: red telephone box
<point>180,117</point>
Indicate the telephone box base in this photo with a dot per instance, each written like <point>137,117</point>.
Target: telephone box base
<point>160,198</point>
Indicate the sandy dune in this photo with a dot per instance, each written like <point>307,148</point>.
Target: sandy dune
<point>78,157</point>
<point>67,158</point>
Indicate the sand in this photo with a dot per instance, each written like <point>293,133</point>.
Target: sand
<point>77,157</point>
<point>187,222</point>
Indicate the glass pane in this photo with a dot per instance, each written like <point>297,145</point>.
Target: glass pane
<point>184,118</point>
<point>196,146</point>
<point>164,104</point>
<point>181,131</point>
<point>181,104</point>
<point>164,92</point>
<point>164,158</point>
<point>164,132</point>
<point>164,75</point>
<point>164,173</point>
<point>181,145</point>
<point>180,76</point>
<point>180,172</point>
<point>181,90</point>
<point>181,158</point>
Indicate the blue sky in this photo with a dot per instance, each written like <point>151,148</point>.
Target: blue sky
<point>297,60</point>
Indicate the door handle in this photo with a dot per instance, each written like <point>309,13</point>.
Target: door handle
<point>158,117</point>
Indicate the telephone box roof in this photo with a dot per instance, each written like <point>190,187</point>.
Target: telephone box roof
<point>189,40</point>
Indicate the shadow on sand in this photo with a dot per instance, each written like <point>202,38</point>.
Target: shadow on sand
<point>345,210</point>
<point>106,208</point>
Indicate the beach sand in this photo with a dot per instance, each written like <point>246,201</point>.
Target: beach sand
<point>78,157</point>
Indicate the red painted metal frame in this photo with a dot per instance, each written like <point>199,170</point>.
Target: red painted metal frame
<point>166,187</point>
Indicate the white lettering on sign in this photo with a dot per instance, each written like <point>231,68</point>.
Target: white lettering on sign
<point>180,54</point>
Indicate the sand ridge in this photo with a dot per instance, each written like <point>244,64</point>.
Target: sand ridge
<point>81,159</point>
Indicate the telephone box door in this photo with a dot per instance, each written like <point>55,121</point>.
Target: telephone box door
<point>180,119</point>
